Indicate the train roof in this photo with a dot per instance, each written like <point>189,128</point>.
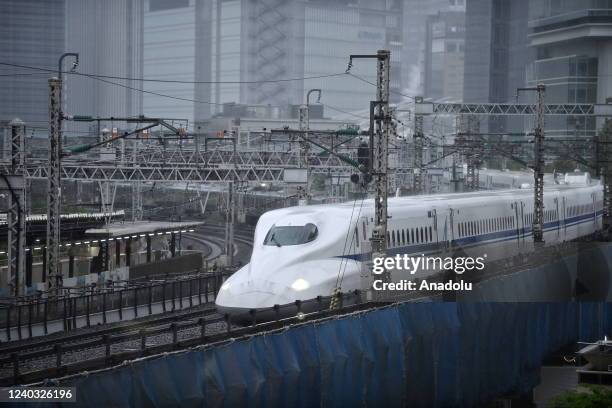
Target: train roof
<point>427,200</point>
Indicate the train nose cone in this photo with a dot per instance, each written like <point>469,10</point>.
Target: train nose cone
<point>250,295</point>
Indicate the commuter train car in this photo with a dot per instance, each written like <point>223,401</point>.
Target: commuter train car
<point>299,252</point>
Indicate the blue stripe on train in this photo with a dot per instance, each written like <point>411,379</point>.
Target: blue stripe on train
<point>488,238</point>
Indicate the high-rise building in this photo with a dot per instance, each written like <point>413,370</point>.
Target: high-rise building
<point>572,40</point>
<point>108,37</point>
<point>239,49</point>
<point>170,46</point>
<point>496,49</point>
<point>31,34</point>
<point>497,53</point>
<point>415,16</point>
<point>444,55</point>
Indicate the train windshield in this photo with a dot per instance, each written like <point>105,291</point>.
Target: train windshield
<point>291,235</point>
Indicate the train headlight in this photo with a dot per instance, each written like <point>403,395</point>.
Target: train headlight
<point>225,286</point>
<point>300,284</point>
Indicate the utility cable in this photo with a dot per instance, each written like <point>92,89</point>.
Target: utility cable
<point>176,81</point>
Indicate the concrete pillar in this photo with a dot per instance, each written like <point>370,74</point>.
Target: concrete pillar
<point>70,265</point>
<point>604,66</point>
<point>104,247</point>
<point>148,248</point>
<point>128,252</point>
<point>44,264</point>
<point>29,262</point>
<point>117,254</point>
<point>173,245</point>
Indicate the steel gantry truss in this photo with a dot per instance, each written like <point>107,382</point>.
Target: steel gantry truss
<point>513,109</point>
<point>538,110</point>
<point>157,164</point>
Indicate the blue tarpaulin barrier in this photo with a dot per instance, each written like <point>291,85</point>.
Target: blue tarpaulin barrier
<point>411,354</point>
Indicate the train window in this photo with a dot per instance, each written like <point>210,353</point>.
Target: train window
<point>430,234</point>
<point>388,239</point>
<point>403,238</point>
<point>291,235</point>
<point>412,235</point>
<point>422,235</point>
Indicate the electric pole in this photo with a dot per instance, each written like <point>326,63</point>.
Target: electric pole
<point>468,130</point>
<point>538,164</point>
<point>302,193</point>
<point>55,174</point>
<point>379,147</point>
<point>229,223</point>
<point>418,150</point>
<point>54,183</point>
<point>16,215</point>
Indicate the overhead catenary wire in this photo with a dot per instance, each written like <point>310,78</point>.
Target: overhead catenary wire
<point>176,81</point>
<point>356,237</point>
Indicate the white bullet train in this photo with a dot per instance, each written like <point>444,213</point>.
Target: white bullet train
<point>298,252</point>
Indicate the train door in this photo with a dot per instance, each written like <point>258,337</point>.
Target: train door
<point>449,229</point>
<point>594,210</point>
<point>363,227</point>
<point>558,219</point>
<point>521,216</point>
<point>517,219</point>
<point>433,214</point>
<point>562,218</point>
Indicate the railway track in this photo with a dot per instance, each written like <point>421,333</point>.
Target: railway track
<point>90,347</point>
<point>212,238</point>
<point>37,359</point>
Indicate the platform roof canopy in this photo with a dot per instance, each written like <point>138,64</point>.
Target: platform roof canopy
<point>143,228</point>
